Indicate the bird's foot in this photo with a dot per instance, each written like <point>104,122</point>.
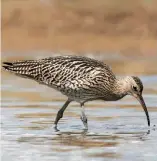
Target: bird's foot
<point>55,128</point>
<point>84,120</point>
<point>85,126</point>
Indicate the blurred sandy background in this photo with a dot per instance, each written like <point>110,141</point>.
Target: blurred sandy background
<point>128,27</point>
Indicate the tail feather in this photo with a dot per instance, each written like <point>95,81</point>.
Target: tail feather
<point>7,65</point>
<point>29,69</point>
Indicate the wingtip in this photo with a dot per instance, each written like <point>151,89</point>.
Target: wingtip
<point>7,63</point>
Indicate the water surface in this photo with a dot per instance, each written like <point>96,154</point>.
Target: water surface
<point>117,130</point>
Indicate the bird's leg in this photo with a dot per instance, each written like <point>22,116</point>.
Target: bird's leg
<point>61,111</point>
<point>83,117</point>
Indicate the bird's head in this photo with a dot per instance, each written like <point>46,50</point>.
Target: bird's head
<point>132,85</point>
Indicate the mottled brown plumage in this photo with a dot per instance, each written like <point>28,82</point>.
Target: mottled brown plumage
<point>81,79</point>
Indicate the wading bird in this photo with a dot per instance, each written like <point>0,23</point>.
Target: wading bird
<point>81,79</point>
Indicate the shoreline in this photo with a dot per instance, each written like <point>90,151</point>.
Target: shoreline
<point>90,43</point>
<point>124,27</point>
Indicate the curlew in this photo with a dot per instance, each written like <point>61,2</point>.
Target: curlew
<point>81,79</point>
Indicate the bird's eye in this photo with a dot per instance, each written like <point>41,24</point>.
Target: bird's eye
<point>134,88</point>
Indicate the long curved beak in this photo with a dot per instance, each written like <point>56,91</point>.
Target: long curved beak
<point>141,100</point>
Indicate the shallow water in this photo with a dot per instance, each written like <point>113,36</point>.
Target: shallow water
<point>117,130</point>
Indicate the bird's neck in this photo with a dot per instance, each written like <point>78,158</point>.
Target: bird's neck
<point>120,87</point>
